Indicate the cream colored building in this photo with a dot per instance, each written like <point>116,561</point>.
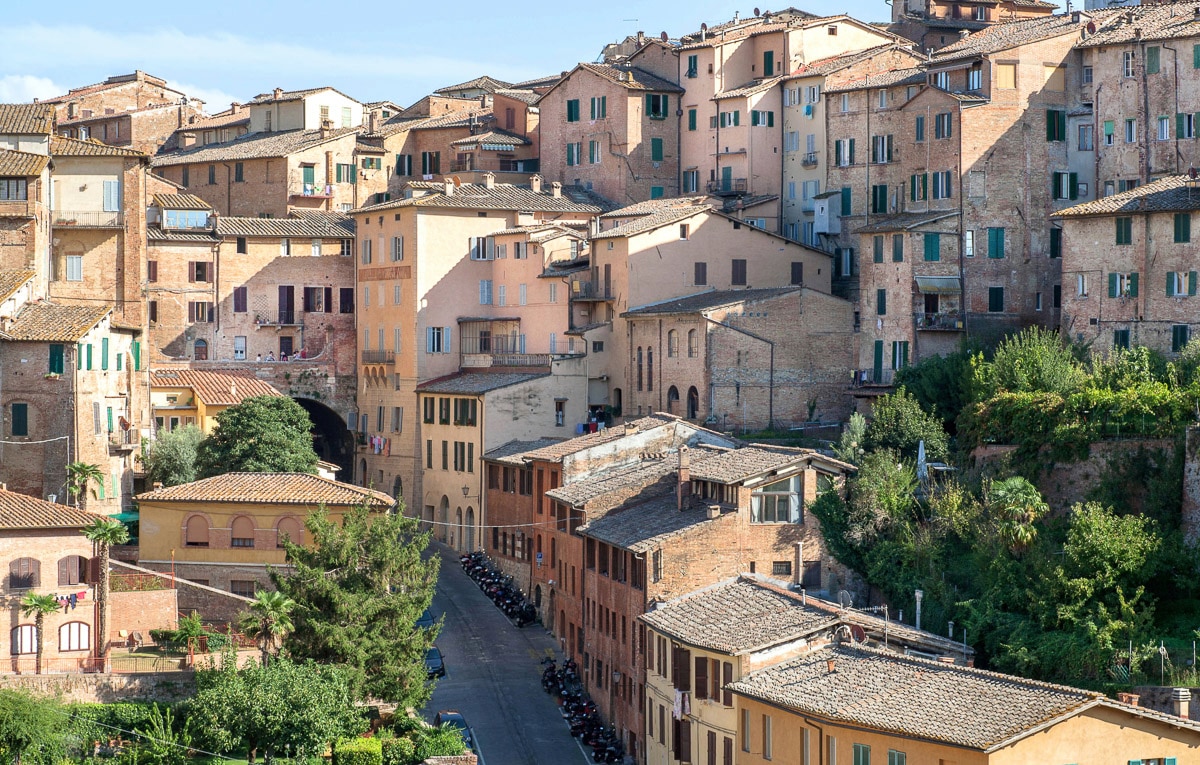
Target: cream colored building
<point>182,397</point>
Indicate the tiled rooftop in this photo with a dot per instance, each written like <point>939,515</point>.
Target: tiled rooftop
<point>644,524</point>
<point>502,196</point>
<point>20,511</point>
<point>632,78</point>
<point>642,475</point>
<point>511,452</point>
<point>909,76</point>
<point>486,83</point>
<point>22,163</point>
<point>194,236</point>
<point>664,216</point>
<point>334,219</point>
<point>251,146</point>
<point>749,461</point>
<point>519,94</point>
<point>299,228</point>
<point>269,488</point>
<point>556,452</point>
<point>53,323</point>
<point>905,221</point>
<point>180,202</point>
<point>913,697</point>
<point>224,388</point>
<point>1138,23</point>
<point>293,95</point>
<point>1007,35</point>
<point>704,301</point>
<point>1171,194</point>
<point>226,118</point>
<point>749,89</point>
<point>832,64</point>
<point>474,383</point>
<point>26,119</point>
<point>494,136</point>
<point>11,280</point>
<point>650,206</point>
<point>73,147</point>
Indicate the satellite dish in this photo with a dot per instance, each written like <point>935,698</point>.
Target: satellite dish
<point>858,633</point>
<point>1091,27</point>
<point>757,12</point>
<point>704,27</point>
<point>664,36</point>
<point>845,598</point>
<point>457,182</point>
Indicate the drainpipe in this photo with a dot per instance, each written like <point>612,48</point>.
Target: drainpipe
<point>771,378</point>
<point>1175,92</point>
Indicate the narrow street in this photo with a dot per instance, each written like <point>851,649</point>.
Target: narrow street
<point>493,676</point>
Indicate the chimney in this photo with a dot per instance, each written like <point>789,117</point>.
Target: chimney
<point>373,122</point>
<point>798,565</point>
<point>1131,699</point>
<point>556,189</point>
<point>735,20</point>
<point>919,594</point>
<point>1075,16</point>
<point>950,629</point>
<point>683,488</point>
<point>964,34</point>
<point>1181,699</point>
<point>235,108</point>
<point>326,128</point>
<point>641,38</point>
<point>630,428</point>
<point>535,184</point>
<point>3,486</point>
<point>830,665</point>
<point>489,180</point>
<point>158,485</point>
<point>448,186</point>
<point>278,94</point>
<point>712,512</point>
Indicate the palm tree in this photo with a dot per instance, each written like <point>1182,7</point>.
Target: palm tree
<point>38,606</point>
<point>81,476</point>
<point>1018,506</point>
<point>104,533</point>
<point>269,621</point>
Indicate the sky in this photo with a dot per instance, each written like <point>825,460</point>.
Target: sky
<point>223,50</point>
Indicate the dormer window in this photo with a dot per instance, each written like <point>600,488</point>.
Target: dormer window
<point>777,502</point>
<point>185,218</point>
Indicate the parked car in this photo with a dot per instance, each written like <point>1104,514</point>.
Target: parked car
<point>425,620</point>
<point>454,719</point>
<point>435,666</point>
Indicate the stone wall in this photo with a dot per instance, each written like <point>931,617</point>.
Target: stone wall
<point>91,688</point>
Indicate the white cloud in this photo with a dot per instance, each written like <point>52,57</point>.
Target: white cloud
<point>18,88</point>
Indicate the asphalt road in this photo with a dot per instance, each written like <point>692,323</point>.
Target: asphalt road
<point>494,678</point>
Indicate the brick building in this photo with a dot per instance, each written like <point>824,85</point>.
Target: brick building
<point>216,128</point>
<point>509,506</point>
<point>614,130</point>
<point>224,531</point>
<point>933,24</point>
<point>1118,253</point>
<point>25,199</point>
<point>746,359</point>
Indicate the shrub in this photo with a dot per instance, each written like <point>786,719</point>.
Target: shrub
<point>358,751</point>
<point>398,751</point>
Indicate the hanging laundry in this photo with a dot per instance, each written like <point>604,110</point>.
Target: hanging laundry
<point>74,599</point>
<point>677,707</point>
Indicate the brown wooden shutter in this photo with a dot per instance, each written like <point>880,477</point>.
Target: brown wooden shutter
<point>208,271</point>
<point>685,741</point>
<point>93,571</point>
<point>701,677</point>
<point>192,271</point>
<point>728,672</point>
<point>64,575</point>
<point>716,680</point>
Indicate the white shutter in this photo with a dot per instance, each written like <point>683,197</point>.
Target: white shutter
<point>501,295</point>
<point>429,339</point>
<point>446,340</point>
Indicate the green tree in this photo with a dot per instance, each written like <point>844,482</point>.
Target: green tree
<point>941,384</point>
<point>269,622</point>
<point>1018,506</point>
<point>104,533</point>
<point>82,479</point>
<point>162,739</point>
<point>359,589</point>
<point>1033,360</point>
<point>850,447</point>
<point>899,423</point>
<point>262,434</point>
<point>38,606</point>
<point>284,706</point>
<point>172,458</point>
<point>31,730</point>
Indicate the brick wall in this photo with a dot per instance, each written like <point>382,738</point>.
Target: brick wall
<point>94,688</point>
<point>141,612</point>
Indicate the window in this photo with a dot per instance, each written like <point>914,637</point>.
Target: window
<point>897,248</point>
<point>899,354</point>
<point>74,636</point>
<point>766,735</point>
<point>24,639</point>
<point>1164,129</point>
<point>485,291</point>
<point>881,302</point>
<point>881,149</point>
<point>1128,63</point>
<point>1086,75</point>
<point>74,268</point>
<point>1056,242</point>
<point>1180,334</point>
<point>200,312</point>
<point>657,106</point>
<point>745,730</point>
<point>1086,142</point>
<point>242,532</point>
<point>1183,227</point>
<point>862,754</point>
<point>738,277</point>
<point>1130,131</point>
<point>729,119</point>
<point>1124,233</point>
<point>1064,186</point>
<point>943,125</point>
<point>437,339</point>
<point>24,573</point>
<point>701,274</point>
<point>1006,76</point>
<point>843,154</point>
<point>431,162</point>
<point>656,150</point>
<point>975,78</point>
<point>777,502</point>
<point>762,119</point>
<point>995,300</point>
<point>212,175</point>
<point>943,187</point>
<point>244,587</point>
<point>1056,125</point>
<point>1081,285</point>
<point>995,242</point>
<point>1181,283</point>
<point>932,246</point>
<point>797,275</point>
<point>918,187</point>
<point>15,189</point>
<point>919,128</point>
<point>941,80</point>
<point>969,244</point>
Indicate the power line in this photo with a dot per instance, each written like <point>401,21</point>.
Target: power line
<point>119,729</point>
<point>43,441</point>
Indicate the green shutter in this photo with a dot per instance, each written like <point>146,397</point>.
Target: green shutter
<point>137,355</point>
<point>877,371</point>
<point>877,248</point>
<point>1152,59</point>
<point>656,150</point>
<point>1062,125</point>
<point>89,356</point>
<point>78,356</point>
<point>20,420</point>
<point>338,174</point>
<point>1056,242</point>
<point>1196,56</point>
<point>104,353</point>
<point>924,185</point>
<point>1112,285</point>
<point>897,248</point>
<point>603,107</point>
<point>110,419</point>
<point>1108,127</point>
<point>354,173</point>
<point>1179,125</point>
<point>737,117</point>
<point>912,188</point>
<point>1073,183</point>
<point>1133,284</point>
<point>933,247</point>
<point>56,359</point>
<point>850,152</point>
<point>769,63</point>
<point>881,302</point>
<point>846,200</point>
<point>1191,282</point>
<point>691,119</point>
<point>1051,124</point>
<point>770,119</point>
<point>1170,284</point>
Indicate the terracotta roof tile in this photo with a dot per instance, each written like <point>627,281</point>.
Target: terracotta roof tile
<point>22,163</point>
<point>53,323</point>
<point>1171,194</point>
<point>13,279</point>
<point>645,523</point>
<point>904,221</point>
<point>539,82</point>
<point>641,475</point>
<point>555,452</point>
<point>502,196</point>
<point>1118,26</point>
<point>251,146</point>
<point>269,488</point>
<point>293,95</point>
<point>649,206</point>
<point>334,219</point>
<point>909,76</point>
<point>832,64</point>
<point>226,118</point>
<point>512,452</point>
<point>489,84</point>
<point>749,89</point>
<point>913,697</point>
<point>655,220</point>
<point>474,383</point>
<point>1009,34</point>
<point>73,147</point>
<point>223,388</point>
<point>283,228</point>
<point>632,78</point>
<point>704,301</point>
<point>737,465</point>
<point>181,202</point>
<point>519,94</point>
<point>20,511</point>
<point>494,136</point>
<point>197,236</point>
<point>26,119</point>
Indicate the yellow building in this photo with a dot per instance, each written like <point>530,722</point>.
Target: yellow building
<point>855,705</point>
<point>224,531</point>
<point>182,397</point>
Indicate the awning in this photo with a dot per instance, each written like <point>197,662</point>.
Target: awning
<point>126,517</point>
<point>938,285</point>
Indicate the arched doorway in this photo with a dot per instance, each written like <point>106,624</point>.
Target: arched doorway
<point>693,403</point>
<point>442,527</point>
<point>362,472</point>
<point>458,527</point>
<point>200,350</point>
<point>672,399</point>
<point>398,489</point>
<point>550,615</point>
<point>332,440</point>
<point>470,530</point>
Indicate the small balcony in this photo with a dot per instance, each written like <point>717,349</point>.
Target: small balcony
<point>484,360</point>
<point>16,208</point>
<point>951,321</point>
<point>313,190</point>
<point>279,319</point>
<point>873,378</point>
<point>587,291</point>
<point>378,357</point>
<point>728,187</point>
<point>809,159</point>
<point>122,441</point>
<point>87,219</point>
<point>463,166</point>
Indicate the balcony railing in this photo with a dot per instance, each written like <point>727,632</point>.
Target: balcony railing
<point>378,357</point>
<point>809,159</point>
<point>462,166</point>
<point>122,440</point>
<point>88,219</point>
<point>946,322</point>
<point>315,190</point>
<point>16,208</point>
<point>866,378</point>
<point>586,290</point>
<point>279,318</point>
<point>481,360</point>
<point>728,186</point>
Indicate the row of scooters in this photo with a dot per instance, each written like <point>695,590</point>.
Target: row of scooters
<point>499,587</point>
<point>580,712</point>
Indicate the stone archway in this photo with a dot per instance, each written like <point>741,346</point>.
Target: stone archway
<point>458,529</point>
<point>332,440</point>
<point>469,531</point>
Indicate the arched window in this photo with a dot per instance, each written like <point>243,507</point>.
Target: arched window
<point>672,399</point>
<point>289,528</point>
<point>200,350</point>
<point>616,402</point>
<point>24,639</point>
<point>398,488</point>
<point>241,532</point>
<point>672,343</point>
<point>692,344</point>
<point>196,533</point>
<point>24,573</point>
<point>72,570</point>
<point>693,403</point>
<point>649,369</point>
<point>74,636</point>
<point>639,368</point>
